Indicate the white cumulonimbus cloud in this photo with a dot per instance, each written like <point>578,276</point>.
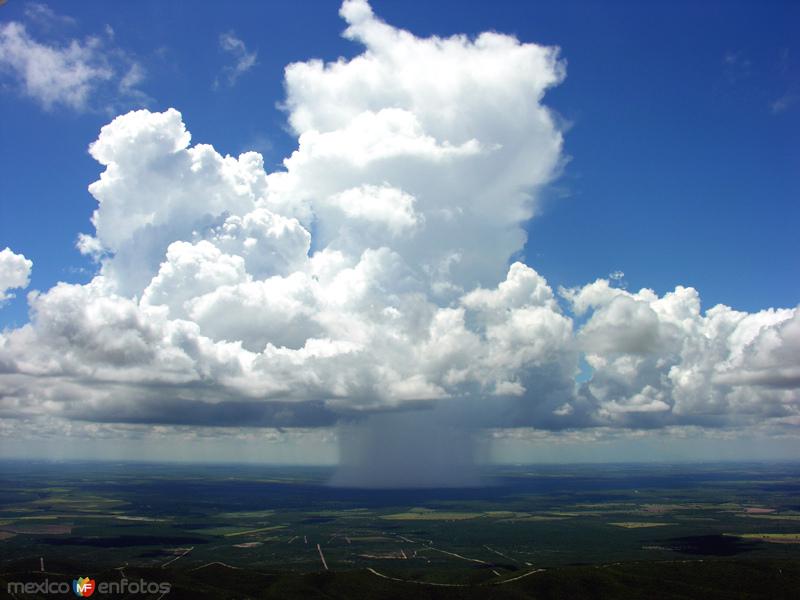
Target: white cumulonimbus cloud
<point>372,272</point>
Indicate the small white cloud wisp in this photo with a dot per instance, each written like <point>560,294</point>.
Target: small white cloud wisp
<point>243,59</point>
<point>88,74</point>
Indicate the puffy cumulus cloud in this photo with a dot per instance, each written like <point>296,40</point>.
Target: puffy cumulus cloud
<point>77,74</point>
<point>371,273</point>
<point>15,272</point>
<point>660,360</point>
<point>770,358</point>
<point>156,189</point>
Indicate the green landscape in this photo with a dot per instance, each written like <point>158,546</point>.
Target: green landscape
<point>229,531</point>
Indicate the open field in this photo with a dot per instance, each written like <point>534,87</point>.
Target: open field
<point>638,524</point>
<point>528,525</point>
<point>778,538</point>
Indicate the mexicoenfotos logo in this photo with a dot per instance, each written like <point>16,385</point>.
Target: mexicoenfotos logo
<point>83,587</point>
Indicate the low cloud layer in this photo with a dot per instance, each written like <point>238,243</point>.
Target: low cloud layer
<point>374,272</point>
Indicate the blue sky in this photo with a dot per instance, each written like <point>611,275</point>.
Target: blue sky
<point>681,169</point>
<point>668,154</point>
